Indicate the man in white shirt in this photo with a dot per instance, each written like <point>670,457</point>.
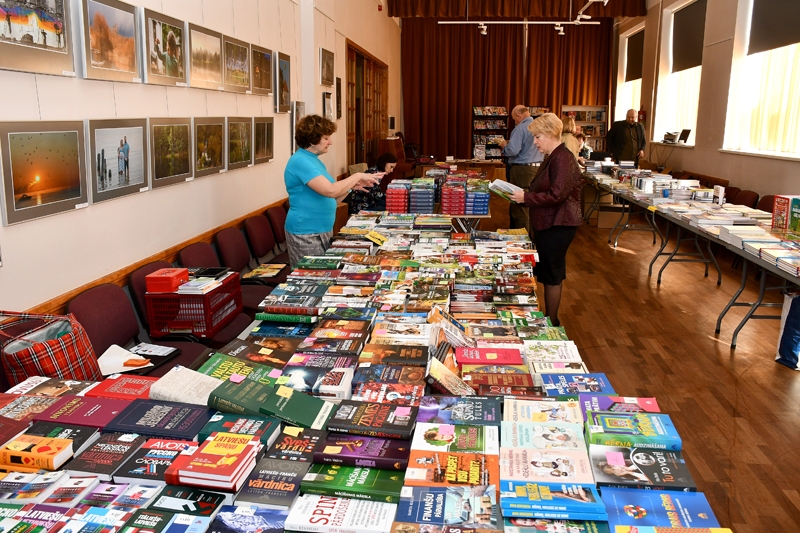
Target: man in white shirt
<point>523,162</point>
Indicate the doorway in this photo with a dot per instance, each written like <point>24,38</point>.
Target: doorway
<point>367,103</point>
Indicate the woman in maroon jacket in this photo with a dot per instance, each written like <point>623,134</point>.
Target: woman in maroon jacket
<point>554,206</point>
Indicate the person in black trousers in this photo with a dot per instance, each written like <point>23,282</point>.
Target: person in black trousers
<point>625,139</point>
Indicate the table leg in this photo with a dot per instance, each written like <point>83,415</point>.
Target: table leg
<point>734,298</point>
<point>761,288</point>
<point>650,217</point>
<point>714,260</point>
<point>627,223</point>
<point>701,254</point>
<point>597,195</point>
<point>621,216</point>
<point>672,255</point>
<point>664,241</point>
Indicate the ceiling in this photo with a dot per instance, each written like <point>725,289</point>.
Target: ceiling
<point>513,9</point>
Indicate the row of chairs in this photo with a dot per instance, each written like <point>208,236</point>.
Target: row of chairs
<point>108,316</point>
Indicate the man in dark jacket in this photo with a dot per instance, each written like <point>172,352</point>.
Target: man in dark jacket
<point>625,140</point>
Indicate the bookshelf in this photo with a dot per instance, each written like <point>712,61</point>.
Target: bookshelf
<point>593,120</point>
<point>489,125</point>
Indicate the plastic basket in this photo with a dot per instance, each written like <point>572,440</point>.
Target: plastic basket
<point>203,315</point>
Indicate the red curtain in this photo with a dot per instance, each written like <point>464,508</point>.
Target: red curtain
<point>512,8</point>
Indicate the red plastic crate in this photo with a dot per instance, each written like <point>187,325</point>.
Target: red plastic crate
<point>203,315</point>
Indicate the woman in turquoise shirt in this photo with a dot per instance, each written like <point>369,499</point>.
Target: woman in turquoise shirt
<point>313,193</point>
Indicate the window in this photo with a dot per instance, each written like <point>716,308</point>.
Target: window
<point>681,70</point>
<point>764,98</point>
<point>629,86</point>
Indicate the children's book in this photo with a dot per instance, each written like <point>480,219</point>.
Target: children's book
<point>515,410</point>
<point>542,435</point>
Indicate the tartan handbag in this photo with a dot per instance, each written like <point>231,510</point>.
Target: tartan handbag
<point>59,348</point>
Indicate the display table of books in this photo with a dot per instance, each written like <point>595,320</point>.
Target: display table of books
<point>404,382</point>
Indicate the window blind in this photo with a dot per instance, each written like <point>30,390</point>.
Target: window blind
<point>688,29</point>
<point>633,63</point>
<point>774,24</point>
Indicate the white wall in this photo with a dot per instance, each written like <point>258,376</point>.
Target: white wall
<point>45,258</point>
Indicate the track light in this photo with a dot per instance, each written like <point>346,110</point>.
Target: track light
<point>584,17</point>
<point>482,27</point>
<point>558,27</point>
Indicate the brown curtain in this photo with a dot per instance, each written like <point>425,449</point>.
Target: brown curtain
<point>446,70</point>
<point>512,8</point>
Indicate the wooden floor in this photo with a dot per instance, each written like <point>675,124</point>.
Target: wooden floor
<point>737,411</point>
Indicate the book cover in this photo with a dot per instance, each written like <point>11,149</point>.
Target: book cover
<point>186,523</point>
<point>497,356</point>
<point>187,500</point>
<point>49,517</point>
<point>464,507</point>
<point>515,410</point>
<point>328,514</point>
<point>551,496</point>
<point>657,508</point>
<point>366,314</point>
<point>390,393</point>
<point>356,450</point>
<point>495,369</point>
<point>536,525</point>
<point>83,411</point>
<point>271,351</point>
<point>269,328</point>
<point>266,429</point>
<point>297,408</point>
<point>30,451</point>
<point>244,397</point>
<point>357,482</point>
<point>154,418</point>
<point>222,367</point>
<point>322,361</point>
<point>71,492</point>
<point>324,383</point>
<point>475,380</point>
<point>432,468</point>
<point>562,384</point>
<point>102,458</point>
<point>219,458</point>
<point>441,379</point>
<point>331,346</point>
<point>456,410</point>
<point>81,436</point>
<point>148,521</point>
<point>456,438</point>
<point>148,464</point>
<point>183,385</point>
<point>304,289</point>
<point>599,402</point>
<point>135,497</point>
<point>103,494</point>
<point>510,390</point>
<point>374,419</point>
<point>395,354</point>
<point>12,525</point>
<point>526,465</point>
<point>290,304</point>
<point>537,351</point>
<point>13,482</point>
<point>644,430</point>
<point>231,519</point>
<point>640,468</point>
<point>558,368</point>
<point>335,333</point>
<point>286,317</point>
<point>52,387</point>
<point>38,488</point>
<point>542,435</point>
<point>273,484</point>
<point>122,387</point>
<point>394,374</point>
<point>296,444</point>
<point>10,429</point>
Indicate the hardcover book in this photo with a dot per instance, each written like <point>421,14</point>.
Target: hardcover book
<point>297,408</point>
<point>102,458</point>
<point>273,484</point>
<point>542,435</point>
<point>183,385</point>
<point>52,387</point>
<point>279,329</point>
<point>657,508</point>
<point>231,519</point>
<point>266,429</point>
<point>71,492</point>
<point>357,482</point>
<point>644,430</point>
<point>441,379</point>
<point>563,384</point>
<point>446,508</point>
<point>81,436</point>
<point>506,380</point>
<point>374,419</point>
<point>510,390</point>
<point>83,411</point>
<point>242,398</point>
<point>30,451</point>
<point>394,394</point>
<point>155,418</point>
<point>430,468</point>
<point>456,438</point>
<point>222,367</point>
<point>355,450</point>
<point>187,500</point>
<point>149,463</point>
<point>527,465</point>
<point>326,514</point>
<point>296,444</point>
<point>393,374</point>
<point>639,468</point>
<point>396,354</point>
<point>122,387</point>
<point>11,429</point>
<point>456,410</point>
<point>220,458</point>
<point>515,410</point>
<point>325,383</point>
<point>495,369</point>
<point>498,356</point>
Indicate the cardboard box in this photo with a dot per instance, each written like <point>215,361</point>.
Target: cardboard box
<point>608,215</point>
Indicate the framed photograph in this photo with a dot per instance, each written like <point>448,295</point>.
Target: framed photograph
<point>209,146</point>
<point>205,56</point>
<point>261,66</point>
<point>325,67</point>
<point>36,37</point>
<point>170,142</point>
<point>264,133</point>
<point>237,65</point>
<point>327,106</point>
<point>44,169</point>
<point>297,111</point>
<point>282,83</point>
<point>166,50</point>
<point>240,142</point>
<point>118,158</point>
<point>111,41</point>
<point>338,98</point>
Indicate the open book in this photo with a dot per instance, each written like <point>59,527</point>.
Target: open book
<point>504,189</point>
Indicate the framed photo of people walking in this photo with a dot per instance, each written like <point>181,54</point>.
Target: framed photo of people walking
<point>205,57</point>
<point>111,38</point>
<point>44,169</point>
<point>282,83</point>
<point>118,158</point>
<point>170,149</point>
<point>36,37</point>
<point>165,58</point>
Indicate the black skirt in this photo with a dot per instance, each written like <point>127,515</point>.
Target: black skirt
<point>552,245</point>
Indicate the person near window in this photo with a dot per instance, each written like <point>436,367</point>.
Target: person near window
<point>374,198</point>
<point>625,139</point>
<point>554,200</point>
<point>313,193</point>
<point>568,136</point>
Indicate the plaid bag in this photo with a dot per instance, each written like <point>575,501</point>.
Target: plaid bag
<point>59,348</point>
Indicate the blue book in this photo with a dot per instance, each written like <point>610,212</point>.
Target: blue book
<point>156,418</point>
<point>455,506</point>
<point>269,328</point>
<point>552,497</point>
<point>526,525</point>
<point>653,431</point>
<point>460,410</point>
<point>557,515</point>
<point>667,508</point>
<point>564,384</point>
<point>233,519</point>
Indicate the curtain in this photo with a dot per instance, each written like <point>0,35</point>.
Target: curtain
<point>518,9</point>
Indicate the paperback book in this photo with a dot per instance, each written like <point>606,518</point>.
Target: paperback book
<point>657,508</point>
<point>357,482</point>
<point>83,411</point>
<point>443,380</point>
<point>396,354</point>
<point>122,387</point>
<point>233,519</point>
<point>374,419</point>
<point>432,468</point>
<point>266,429</point>
<point>457,410</point>
<point>327,514</point>
<point>81,436</point>
<point>187,500</point>
<point>526,465</point>
<point>274,352</point>
<point>654,431</point>
<point>297,408</point>
<point>640,468</point>
<point>515,410</point>
<point>563,384</point>
<point>542,435</point>
<point>391,374</point>
<point>149,463</point>
<point>617,404</point>
<point>105,455</point>
<point>296,444</point>
<point>356,450</point>
<point>242,396</point>
<point>466,508</point>
<point>456,438</point>
<point>553,496</point>
<point>52,387</point>
<point>389,393</point>
<point>269,328</point>
<point>222,367</point>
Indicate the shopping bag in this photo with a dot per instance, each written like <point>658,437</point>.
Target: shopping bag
<point>57,347</point>
<point>789,336</point>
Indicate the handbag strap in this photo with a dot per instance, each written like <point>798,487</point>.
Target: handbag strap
<point>22,317</point>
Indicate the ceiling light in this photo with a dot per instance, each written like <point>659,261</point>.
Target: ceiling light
<point>584,17</point>
<point>558,27</point>
<point>561,30</point>
<point>483,29</point>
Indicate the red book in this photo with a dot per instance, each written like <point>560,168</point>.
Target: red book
<point>492,356</point>
<point>221,458</point>
<point>475,380</point>
<point>82,411</point>
<point>502,390</point>
<point>10,428</point>
<point>122,387</point>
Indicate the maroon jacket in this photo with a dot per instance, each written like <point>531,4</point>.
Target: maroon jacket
<point>554,198</point>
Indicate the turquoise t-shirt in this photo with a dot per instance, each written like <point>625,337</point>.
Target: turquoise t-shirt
<point>309,211</point>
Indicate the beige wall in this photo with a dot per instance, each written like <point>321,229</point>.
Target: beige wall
<point>761,174</point>
<point>45,258</point>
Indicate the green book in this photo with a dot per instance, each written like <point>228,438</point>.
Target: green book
<point>9,510</point>
<point>297,408</point>
<point>357,482</point>
<point>276,317</point>
<point>319,263</point>
<point>149,520</point>
<point>244,398</point>
<point>266,429</point>
<point>223,366</point>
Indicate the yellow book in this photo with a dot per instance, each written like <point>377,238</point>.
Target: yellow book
<point>29,451</point>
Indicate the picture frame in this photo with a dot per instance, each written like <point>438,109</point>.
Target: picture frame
<point>240,142</point>
<point>118,170</point>
<point>170,151</point>
<point>44,169</point>
<point>326,64</point>
<point>165,47</point>
<point>338,98</point>
<point>327,106</point>
<point>209,146</point>
<point>236,65</point>
<point>298,111</point>
<point>48,49</point>
<point>261,68</point>
<point>283,84</point>
<point>264,140</point>
<point>111,41</point>
<point>205,58</point>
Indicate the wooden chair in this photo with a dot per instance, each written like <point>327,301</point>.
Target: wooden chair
<point>358,167</point>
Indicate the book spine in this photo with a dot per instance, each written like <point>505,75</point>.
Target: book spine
<point>371,495</point>
<point>278,317</point>
<point>676,488</point>
<point>556,515</point>
<point>553,508</point>
<point>383,463</point>
<point>227,406</point>
<point>26,460</point>
<point>353,430</point>
<point>290,310</point>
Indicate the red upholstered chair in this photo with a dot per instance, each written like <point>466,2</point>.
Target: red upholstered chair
<point>285,205</point>
<point>394,145</point>
<point>138,290</point>
<point>748,198</point>
<point>277,219</point>
<point>766,203</point>
<point>106,313</point>
<point>262,243</point>
<point>201,254</point>
<point>731,193</point>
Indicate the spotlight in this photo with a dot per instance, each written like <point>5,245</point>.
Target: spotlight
<point>584,17</point>
<point>558,27</point>
<point>561,30</point>
<point>605,3</point>
<point>482,27</point>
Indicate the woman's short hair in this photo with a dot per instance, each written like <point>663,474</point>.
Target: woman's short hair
<point>580,137</point>
<point>569,125</point>
<point>311,128</point>
<point>384,159</point>
<point>548,124</point>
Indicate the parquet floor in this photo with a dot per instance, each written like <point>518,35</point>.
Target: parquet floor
<point>737,411</point>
